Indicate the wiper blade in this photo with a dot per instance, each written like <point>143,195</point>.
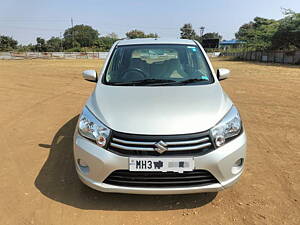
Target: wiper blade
<point>193,80</point>
<point>143,82</point>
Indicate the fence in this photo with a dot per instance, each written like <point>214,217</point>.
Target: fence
<point>53,55</point>
<point>271,56</point>
<point>291,57</point>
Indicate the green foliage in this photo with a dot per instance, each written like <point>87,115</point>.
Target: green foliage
<point>76,49</point>
<point>26,48</point>
<point>80,36</point>
<point>41,45</point>
<point>287,35</point>
<point>258,34</point>
<point>152,35</point>
<point>54,44</point>
<point>105,43</point>
<point>212,35</point>
<point>198,38</point>
<point>187,32</point>
<point>7,43</point>
<point>268,34</point>
<point>135,34</point>
<point>140,34</point>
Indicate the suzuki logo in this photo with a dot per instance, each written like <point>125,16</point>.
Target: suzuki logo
<point>161,147</point>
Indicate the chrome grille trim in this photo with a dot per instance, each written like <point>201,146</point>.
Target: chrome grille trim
<point>132,148</point>
<point>197,141</point>
<point>133,142</point>
<point>145,145</point>
<point>189,147</point>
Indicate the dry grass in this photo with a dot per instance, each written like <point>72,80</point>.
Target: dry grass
<point>40,100</point>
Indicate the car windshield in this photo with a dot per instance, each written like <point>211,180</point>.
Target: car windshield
<point>158,65</point>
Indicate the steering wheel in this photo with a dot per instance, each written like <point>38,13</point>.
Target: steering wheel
<point>135,73</point>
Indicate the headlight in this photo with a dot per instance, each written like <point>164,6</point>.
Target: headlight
<point>228,127</point>
<point>90,127</point>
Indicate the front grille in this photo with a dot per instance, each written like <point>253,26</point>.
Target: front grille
<point>188,144</point>
<point>160,179</point>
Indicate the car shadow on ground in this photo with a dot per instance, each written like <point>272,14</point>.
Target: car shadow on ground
<point>58,181</point>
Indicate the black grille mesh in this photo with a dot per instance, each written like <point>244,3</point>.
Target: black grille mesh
<point>160,179</point>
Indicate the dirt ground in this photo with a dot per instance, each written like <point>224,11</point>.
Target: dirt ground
<point>40,102</point>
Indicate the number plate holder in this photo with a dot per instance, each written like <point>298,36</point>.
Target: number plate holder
<point>178,165</point>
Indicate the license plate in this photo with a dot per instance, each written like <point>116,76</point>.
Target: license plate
<point>178,165</point>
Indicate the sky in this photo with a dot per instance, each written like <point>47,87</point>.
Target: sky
<point>26,20</point>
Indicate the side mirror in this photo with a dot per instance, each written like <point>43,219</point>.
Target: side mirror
<point>223,74</point>
<point>90,75</point>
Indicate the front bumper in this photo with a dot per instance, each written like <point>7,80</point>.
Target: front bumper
<point>102,163</point>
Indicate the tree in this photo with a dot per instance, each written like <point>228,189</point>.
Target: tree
<point>187,32</point>
<point>7,43</point>
<point>26,48</point>
<point>212,35</point>
<point>140,34</point>
<point>54,44</point>
<point>80,36</point>
<point>287,35</point>
<point>152,35</point>
<point>135,34</point>
<point>258,34</point>
<point>264,34</point>
<point>41,45</point>
<point>105,43</point>
<point>244,32</point>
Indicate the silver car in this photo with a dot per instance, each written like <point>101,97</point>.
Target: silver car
<point>159,122</point>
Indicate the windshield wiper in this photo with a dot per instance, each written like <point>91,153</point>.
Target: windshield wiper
<point>189,81</point>
<point>144,82</point>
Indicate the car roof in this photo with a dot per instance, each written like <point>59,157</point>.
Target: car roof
<point>142,41</point>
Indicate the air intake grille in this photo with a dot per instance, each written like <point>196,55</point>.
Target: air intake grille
<point>160,179</point>
<point>188,144</point>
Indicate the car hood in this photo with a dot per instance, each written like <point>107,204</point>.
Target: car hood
<point>164,110</point>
